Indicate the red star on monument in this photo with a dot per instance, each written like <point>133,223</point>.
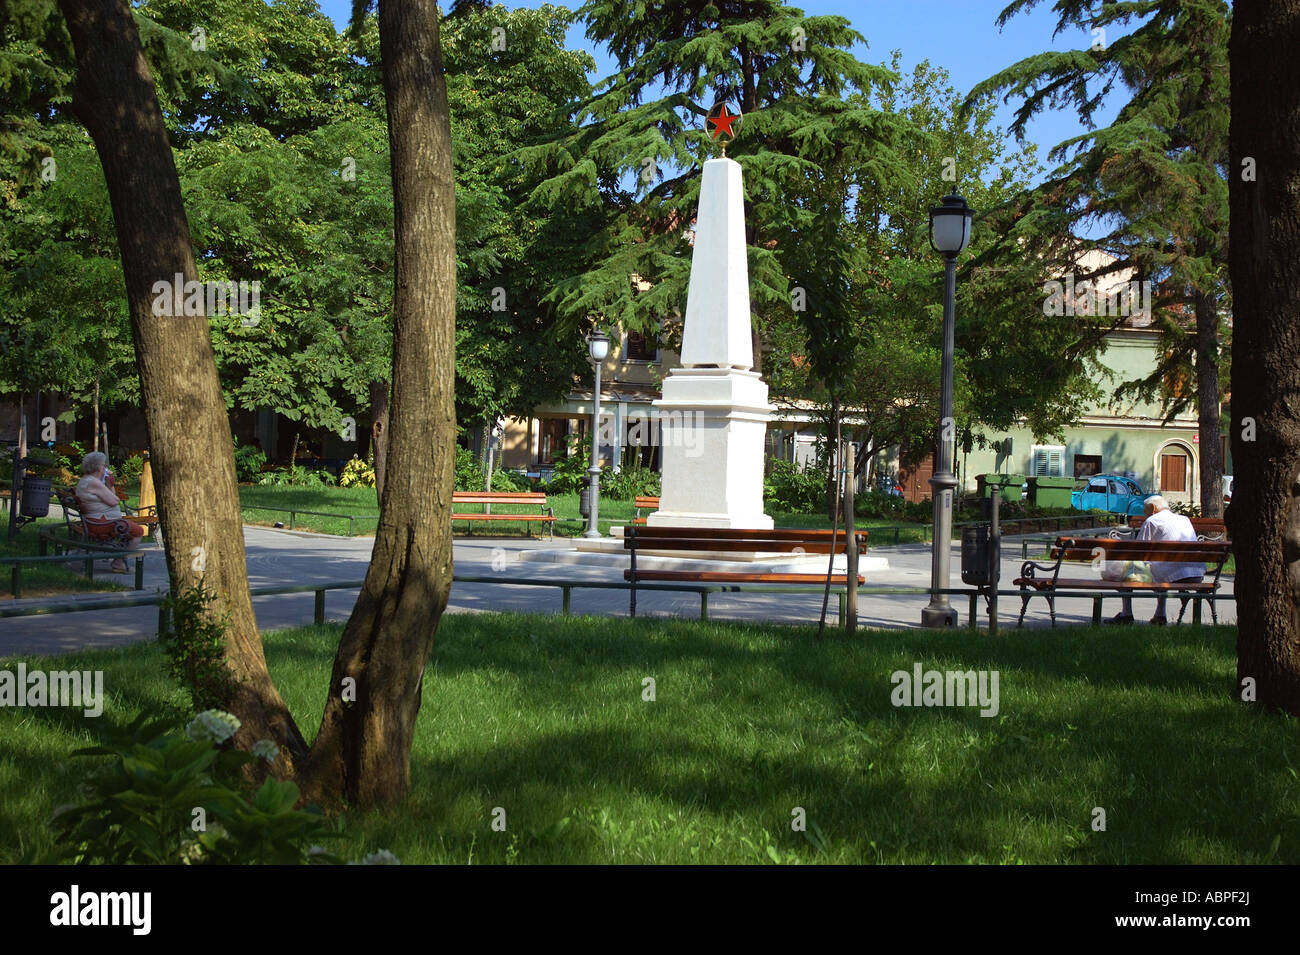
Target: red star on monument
<point>722,122</point>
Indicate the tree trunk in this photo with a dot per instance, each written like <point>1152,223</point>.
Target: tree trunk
<point>189,432</point>
<point>379,432</point>
<point>1207,402</point>
<point>363,751</point>
<point>1264,256</point>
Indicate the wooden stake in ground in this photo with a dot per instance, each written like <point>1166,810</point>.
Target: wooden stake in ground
<point>1264,254</point>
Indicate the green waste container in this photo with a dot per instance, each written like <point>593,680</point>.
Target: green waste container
<point>1008,485</point>
<point>1050,491</point>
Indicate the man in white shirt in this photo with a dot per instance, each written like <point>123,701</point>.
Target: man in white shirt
<point>1162,524</point>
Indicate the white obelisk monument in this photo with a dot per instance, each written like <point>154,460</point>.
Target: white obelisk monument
<point>714,410</point>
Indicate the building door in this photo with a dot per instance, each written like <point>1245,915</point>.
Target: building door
<point>916,481</point>
<point>1173,474</point>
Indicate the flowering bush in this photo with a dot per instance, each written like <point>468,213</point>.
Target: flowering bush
<point>357,473</point>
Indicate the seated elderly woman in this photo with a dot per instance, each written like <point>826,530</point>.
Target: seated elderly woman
<point>100,507</point>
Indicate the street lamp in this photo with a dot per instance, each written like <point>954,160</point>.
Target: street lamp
<point>949,234</point>
<point>598,348</point>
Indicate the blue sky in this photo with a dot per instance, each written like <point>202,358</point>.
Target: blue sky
<point>960,35</point>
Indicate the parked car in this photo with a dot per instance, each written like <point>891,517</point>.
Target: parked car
<point>1109,492</point>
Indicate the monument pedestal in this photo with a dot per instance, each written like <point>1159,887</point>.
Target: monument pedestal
<point>713,425</point>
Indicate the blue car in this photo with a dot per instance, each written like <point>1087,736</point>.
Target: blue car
<point>1109,492</point>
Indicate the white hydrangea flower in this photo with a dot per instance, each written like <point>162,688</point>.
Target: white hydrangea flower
<point>266,749</point>
<point>382,857</point>
<point>215,725</point>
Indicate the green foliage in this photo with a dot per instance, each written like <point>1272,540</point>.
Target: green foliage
<point>249,461</point>
<point>877,504</point>
<point>195,646</point>
<point>503,480</point>
<point>791,488</point>
<point>469,473</point>
<point>570,472</point>
<point>168,798</point>
<point>295,475</point>
<point>357,473</point>
<point>630,481</point>
<point>129,467</point>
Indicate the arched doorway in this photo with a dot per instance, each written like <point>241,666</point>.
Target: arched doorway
<point>1176,471</point>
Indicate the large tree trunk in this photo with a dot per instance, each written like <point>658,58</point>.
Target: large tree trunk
<point>1207,405</point>
<point>363,751</point>
<point>189,434</point>
<point>1264,255</point>
<point>379,432</point>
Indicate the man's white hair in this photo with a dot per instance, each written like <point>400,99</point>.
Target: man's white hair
<point>1157,503</point>
<point>94,462</point>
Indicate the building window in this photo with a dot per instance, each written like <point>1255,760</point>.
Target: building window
<point>1173,472</point>
<point>640,348</point>
<point>1086,464</point>
<point>1048,460</point>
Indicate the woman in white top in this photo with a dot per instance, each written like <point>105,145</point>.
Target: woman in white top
<point>100,506</point>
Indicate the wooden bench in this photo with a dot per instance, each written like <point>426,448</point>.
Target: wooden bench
<point>700,540</point>
<point>77,537</point>
<point>1207,528</point>
<point>1093,549</point>
<point>534,499</point>
<point>644,502</point>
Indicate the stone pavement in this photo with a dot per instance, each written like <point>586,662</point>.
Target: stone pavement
<point>286,558</point>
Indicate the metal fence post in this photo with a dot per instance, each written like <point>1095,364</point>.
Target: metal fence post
<point>320,607</point>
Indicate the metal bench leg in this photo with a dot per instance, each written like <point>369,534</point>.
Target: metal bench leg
<point>704,605</point>
<point>1096,611</point>
<point>139,573</point>
<point>1214,613</point>
<point>1024,605</point>
<point>1051,606</point>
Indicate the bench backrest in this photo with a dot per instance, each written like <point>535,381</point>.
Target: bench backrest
<point>643,502</point>
<point>787,541</point>
<point>1104,548</point>
<point>498,497</point>
<point>1202,525</point>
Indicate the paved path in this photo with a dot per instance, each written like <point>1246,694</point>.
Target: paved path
<point>286,558</point>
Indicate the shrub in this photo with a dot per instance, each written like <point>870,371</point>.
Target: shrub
<point>357,473</point>
<point>570,472</point>
<point>469,473</point>
<point>793,489</point>
<point>503,480</point>
<point>297,476</point>
<point>629,482</point>
<point>129,466</point>
<point>249,462</point>
<point>171,797</point>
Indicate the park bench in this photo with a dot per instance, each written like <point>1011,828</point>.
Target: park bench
<point>644,502</point>
<point>1092,549</point>
<point>115,545</point>
<point>1207,528</point>
<point>486,499</point>
<point>703,540</point>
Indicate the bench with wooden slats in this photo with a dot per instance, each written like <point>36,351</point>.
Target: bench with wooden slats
<point>1207,528</point>
<point>533,499</point>
<point>702,540</point>
<point>644,502</point>
<point>1094,549</point>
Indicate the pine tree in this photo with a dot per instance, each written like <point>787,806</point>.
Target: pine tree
<point>1154,178</point>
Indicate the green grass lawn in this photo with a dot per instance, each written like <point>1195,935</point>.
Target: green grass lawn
<point>50,578</point>
<point>544,717</point>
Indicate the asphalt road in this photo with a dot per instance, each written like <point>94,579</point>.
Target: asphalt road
<point>285,558</point>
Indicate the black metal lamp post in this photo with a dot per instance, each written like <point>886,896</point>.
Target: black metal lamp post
<point>949,234</point>
<point>598,348</point>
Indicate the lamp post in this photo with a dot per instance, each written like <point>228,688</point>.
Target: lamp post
<point>949,234</point>
<point>598,348</point>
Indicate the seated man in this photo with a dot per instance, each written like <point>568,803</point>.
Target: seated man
<point>1162,524</point>
<point>100,507</point>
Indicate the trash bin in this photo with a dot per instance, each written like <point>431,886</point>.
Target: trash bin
<point>1050,491</point>
<point>975,555</point>
<point>1008,485</point>
<point>35,500</point>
